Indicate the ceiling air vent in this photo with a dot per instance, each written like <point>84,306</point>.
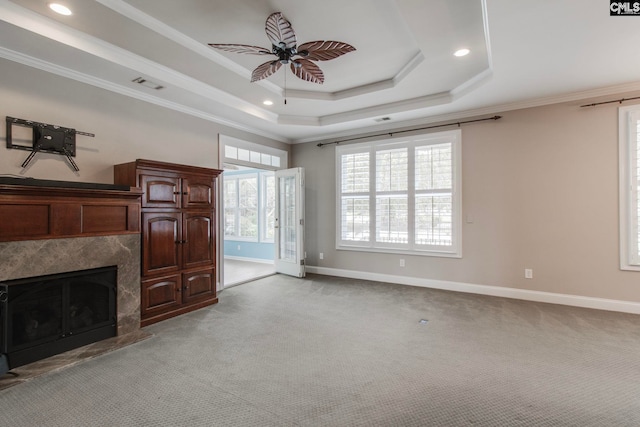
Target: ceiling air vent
<point>147,83</point>
<point>383,119</point>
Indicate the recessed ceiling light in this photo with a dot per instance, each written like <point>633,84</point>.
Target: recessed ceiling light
<point>267,102</point>
<point>58,8</point>
<point>462,52</point>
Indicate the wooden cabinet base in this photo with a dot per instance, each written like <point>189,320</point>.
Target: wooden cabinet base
<point>146,321</point>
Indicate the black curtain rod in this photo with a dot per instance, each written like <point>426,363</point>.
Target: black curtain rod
<point>322,144</point>
<point>610,102</point>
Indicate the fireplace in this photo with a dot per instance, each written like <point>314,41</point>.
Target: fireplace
<point>47,315</point>
<point>54,231</point>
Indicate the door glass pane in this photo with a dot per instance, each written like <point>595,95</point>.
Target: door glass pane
<point>268,206</point>
<point>287,218</point>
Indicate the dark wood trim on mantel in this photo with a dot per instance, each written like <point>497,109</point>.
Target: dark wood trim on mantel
<point>34,213</point>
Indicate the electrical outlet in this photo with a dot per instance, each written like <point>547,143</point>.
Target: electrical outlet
<point>238,247</point>
<point>321,255</point>
<point>401,262</point>
<point>528,273</point>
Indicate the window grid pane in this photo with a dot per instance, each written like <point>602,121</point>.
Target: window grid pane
<point>392,170</point>
<point>392,219</point>
<point>355,219</point>
<point>355,173</point>
<point>248,207</point>
<point>434,225</point>
<point>230,197</point>
<point>434,167</point>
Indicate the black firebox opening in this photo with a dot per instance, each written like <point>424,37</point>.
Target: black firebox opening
<point>46,315</point>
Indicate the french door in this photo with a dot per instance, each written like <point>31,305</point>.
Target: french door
<point>289,222</point>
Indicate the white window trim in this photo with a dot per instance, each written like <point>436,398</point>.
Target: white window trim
<point>453,251</point>
<point>629,259</point>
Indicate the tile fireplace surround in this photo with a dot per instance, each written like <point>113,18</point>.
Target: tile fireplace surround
<point>39,257</point>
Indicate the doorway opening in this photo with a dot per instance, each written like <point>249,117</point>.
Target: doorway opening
<point>248,223</point>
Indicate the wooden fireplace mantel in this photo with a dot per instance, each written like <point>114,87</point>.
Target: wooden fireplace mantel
<point>33,213</point>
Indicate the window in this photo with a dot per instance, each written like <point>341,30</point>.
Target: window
<point>401,195</point>
<point>238,152</point>
<point>241,207</point>
<point>629,152</point>
<point>249,206</point>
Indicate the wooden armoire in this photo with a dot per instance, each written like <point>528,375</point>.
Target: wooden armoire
<point>178,227</point>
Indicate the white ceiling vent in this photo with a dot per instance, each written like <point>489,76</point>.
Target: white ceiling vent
<point>147,83</point>
<point>383,119</point>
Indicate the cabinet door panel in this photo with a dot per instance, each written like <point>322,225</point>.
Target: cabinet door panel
<point>160,191</point>
<point>160,294</point>
<point>198,285</point>
<point>198,192</point>
<point>161,249</point>
<point>198,233</point>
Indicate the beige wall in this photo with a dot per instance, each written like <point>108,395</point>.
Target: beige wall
<point>125,128</point>
<point>540,187</point>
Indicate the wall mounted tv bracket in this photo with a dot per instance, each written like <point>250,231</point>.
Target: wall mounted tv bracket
<point>47,139</point>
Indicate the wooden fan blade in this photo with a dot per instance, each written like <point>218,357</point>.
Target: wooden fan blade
<point>279,30</point>
<point>321,50</point>
<point>242,48</point>
<point>265,70</point>
<point>307,71</point>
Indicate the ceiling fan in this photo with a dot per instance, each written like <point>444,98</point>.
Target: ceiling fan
<point>284,47</point>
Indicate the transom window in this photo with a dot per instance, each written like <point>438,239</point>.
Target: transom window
<point>401,195</point>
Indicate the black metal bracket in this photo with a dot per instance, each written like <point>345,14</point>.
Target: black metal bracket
<point>46,138</point>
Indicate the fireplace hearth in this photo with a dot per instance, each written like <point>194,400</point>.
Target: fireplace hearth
<point>47,315</point>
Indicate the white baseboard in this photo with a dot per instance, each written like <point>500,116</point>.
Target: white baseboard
<point>239,258</point>
<point>496,291</point>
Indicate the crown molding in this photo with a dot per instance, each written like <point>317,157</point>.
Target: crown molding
<point>129,92</point>
<point>60,33</point>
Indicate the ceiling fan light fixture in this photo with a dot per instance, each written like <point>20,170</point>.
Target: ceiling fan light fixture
<point>285,47</point>
<point>60,8</point>
<point>461,52</point>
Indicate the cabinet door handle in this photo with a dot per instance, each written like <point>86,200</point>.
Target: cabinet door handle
<point>176,192</point>
<point>186,193</point>
<point>178,242</point>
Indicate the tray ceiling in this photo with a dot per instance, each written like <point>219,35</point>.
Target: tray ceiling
<point>403,67</point>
